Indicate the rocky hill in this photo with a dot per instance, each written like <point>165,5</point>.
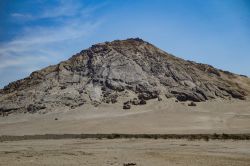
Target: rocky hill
<point>108,72</point>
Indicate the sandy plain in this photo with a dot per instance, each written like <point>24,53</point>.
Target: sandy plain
<point>156,117</point>
<point>166,117</point>
<point>117,152</point>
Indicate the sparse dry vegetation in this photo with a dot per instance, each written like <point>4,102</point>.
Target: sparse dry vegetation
<point>206,137</point>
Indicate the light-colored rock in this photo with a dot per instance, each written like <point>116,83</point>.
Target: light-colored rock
<point>105,71</point>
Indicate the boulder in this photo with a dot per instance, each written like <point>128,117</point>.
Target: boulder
<point>33,108</point>
<point>192,104</point>
<point>142,102</point>
<point>126,106</point>
<point>135,101</point>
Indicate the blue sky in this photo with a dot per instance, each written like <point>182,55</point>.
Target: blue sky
<point>35,34</point>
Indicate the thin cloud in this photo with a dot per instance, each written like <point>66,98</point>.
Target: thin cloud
<point>39,46</point>
<point>63,9</point>
<point>38,37</point>
<point>39,43</point>
<point>20,61</point>
<point>22,16</point>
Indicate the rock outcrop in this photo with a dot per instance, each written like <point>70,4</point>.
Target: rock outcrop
<point>107,71</point>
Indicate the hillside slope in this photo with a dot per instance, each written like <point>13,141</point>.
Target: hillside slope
<point>111,71</point>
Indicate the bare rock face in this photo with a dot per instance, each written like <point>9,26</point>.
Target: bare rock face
<point>107,71</point>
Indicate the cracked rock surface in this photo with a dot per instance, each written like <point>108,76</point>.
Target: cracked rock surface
<point>107,71</point>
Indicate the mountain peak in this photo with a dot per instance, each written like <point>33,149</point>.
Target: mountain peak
<point>111,71</point>
<point>137,39</point>
<point>126,42</point>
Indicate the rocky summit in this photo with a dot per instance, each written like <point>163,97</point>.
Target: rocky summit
<point>108,72</point>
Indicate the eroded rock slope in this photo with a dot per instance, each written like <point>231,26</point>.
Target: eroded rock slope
<point>108,71</point>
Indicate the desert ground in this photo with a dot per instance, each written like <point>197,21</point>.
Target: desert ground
<point>166,117</point>
<point>117,152</point>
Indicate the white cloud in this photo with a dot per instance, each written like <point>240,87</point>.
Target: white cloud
<point>22,16</point>
<point>38,46</point>
<point>39,42</point>
<point>39,37</point>
<point>63,9</point>
<point>12,61</point>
